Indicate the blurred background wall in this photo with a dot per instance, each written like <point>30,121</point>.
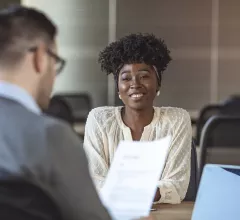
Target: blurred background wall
<point>83,31</point>
<point>5,3</point>
<point>203,36</point>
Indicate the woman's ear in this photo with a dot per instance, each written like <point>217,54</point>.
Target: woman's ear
<point>158,93</point>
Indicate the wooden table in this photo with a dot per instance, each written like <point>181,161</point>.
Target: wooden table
<point>181,211</point>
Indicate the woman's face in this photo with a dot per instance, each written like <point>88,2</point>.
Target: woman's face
<point>138,85</point>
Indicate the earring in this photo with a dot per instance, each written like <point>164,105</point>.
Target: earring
<point>120,96</point>
<point>158,93</point>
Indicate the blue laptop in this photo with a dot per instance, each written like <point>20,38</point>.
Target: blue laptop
<point>218,196</point>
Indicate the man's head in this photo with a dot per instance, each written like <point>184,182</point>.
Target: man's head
<point>28,51</point>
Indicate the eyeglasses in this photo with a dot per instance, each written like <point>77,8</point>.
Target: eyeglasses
<point>60,62</point>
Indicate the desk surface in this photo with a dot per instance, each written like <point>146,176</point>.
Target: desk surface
<point>182,211</point>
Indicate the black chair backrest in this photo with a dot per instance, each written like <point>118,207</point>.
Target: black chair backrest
<point>231,106</point>
<point>220,135</point>
<point>60,109</point>
<point>193,183</point>
<point>20,200</point>
<point>206,113</point>
<point>79,103</point>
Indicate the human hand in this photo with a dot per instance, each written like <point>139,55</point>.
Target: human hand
<point>157,195</point>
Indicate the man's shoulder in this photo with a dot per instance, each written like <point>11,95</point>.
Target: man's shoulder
<point>17,115</point>
<point>59,133</point>
<point>52,124</point>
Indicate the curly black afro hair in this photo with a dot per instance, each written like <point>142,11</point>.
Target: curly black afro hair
<point>135,48</point>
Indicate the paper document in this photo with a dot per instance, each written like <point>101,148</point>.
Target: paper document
<point>131,183</point>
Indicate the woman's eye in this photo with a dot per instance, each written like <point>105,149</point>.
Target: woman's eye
<point>126,78</point>
<point>144,76</point>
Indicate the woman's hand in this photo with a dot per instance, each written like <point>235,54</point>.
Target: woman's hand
<point>157,195</point>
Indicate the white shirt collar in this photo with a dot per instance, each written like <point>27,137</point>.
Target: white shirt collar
<point>16,93</point>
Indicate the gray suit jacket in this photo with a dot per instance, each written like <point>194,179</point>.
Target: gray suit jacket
<point>48,153</point>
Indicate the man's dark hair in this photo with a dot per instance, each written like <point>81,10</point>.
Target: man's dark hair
<point>20,29</point>
<point>135,48</point>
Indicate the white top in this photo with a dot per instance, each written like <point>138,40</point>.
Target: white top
<point>105,129</point>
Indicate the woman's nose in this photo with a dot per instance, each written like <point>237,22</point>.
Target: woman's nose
<point>135,82</point>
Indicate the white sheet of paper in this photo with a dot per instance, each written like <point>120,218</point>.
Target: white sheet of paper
<point>131,182</point>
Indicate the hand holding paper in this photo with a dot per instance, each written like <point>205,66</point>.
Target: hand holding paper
<point>131,183</point>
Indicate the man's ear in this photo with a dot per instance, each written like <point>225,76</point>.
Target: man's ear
<point>39,58</point>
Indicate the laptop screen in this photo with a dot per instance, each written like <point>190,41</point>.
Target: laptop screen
<point>233,170</point>
<point>218,195</point>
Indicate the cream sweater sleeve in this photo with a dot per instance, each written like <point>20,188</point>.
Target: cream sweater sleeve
<point>95,142</point>
<point>176,175</point>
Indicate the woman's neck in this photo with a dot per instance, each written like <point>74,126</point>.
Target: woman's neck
<point>137,120</point>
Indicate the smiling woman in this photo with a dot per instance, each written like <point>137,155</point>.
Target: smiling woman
<point>138,85</point>
<point>137,62</point>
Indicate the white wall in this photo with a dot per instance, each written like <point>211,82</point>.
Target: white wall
<point>83,26</point>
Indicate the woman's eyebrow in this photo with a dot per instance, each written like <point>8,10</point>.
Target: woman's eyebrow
<point>144,70</point>
<point>140,70</point>
<point>125,71</point>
